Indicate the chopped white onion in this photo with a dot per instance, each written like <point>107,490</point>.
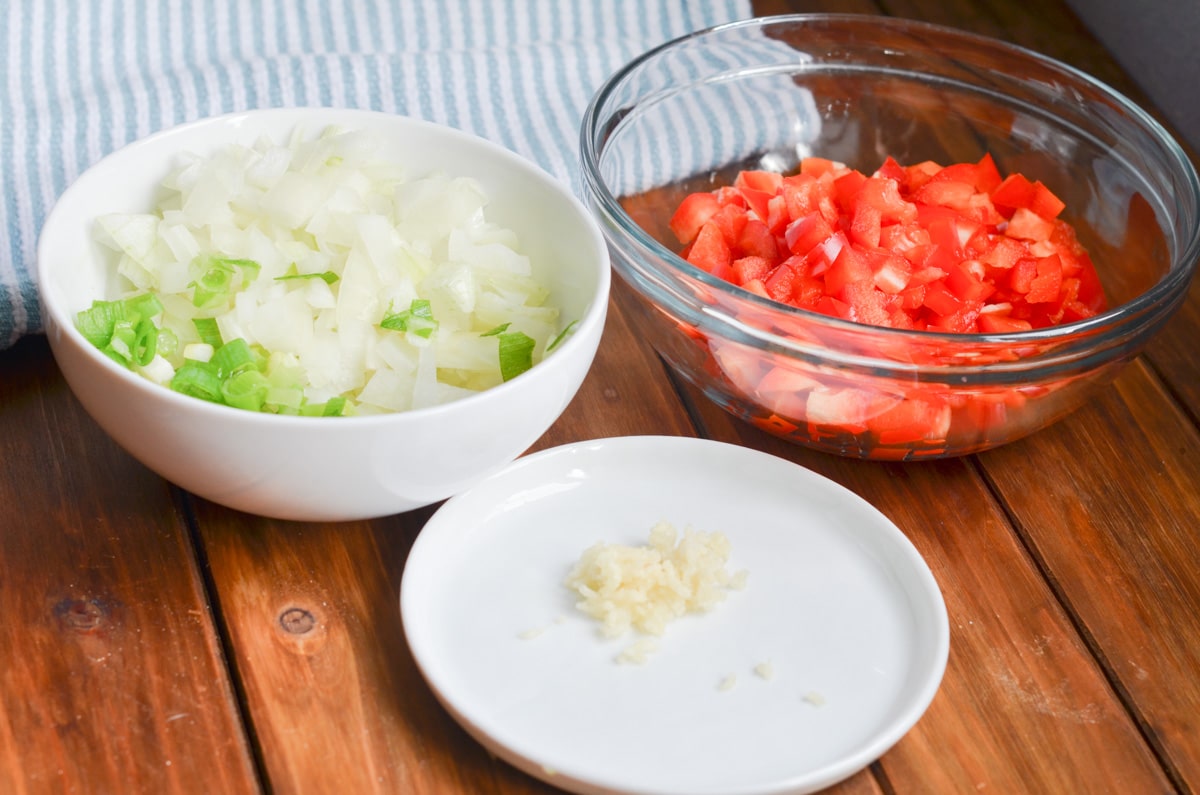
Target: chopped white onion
<point>326,241</point>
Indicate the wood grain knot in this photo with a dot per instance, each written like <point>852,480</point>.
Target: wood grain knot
<point>81,615</point>
<point>297,621</point>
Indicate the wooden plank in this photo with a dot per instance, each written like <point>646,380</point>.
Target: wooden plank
<point>112,677</point>
<point>1114,524</point>
<point>313,622</point>
<point>1175,356</point>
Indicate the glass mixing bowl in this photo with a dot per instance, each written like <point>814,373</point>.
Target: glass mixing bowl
<point>765,93</point>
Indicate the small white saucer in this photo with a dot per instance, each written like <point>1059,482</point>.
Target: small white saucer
<point>838,604</point>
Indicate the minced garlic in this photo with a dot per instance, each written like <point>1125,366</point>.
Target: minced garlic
<point>646,587</point>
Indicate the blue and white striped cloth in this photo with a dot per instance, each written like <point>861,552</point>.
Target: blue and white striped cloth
<point>80,78</point>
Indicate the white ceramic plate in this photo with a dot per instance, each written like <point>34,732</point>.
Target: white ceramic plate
<point>838,602</point>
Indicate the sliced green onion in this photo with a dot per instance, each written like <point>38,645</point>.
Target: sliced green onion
<point>417,319</point>
<point>497,331</point>
<point>516,353</point>
<point>245,390</point>
<point>125,319</point>
<point>284,399</point>
<point>198,379</point>
<point>211,281</point>
<point>562,335</point>
<point>334,407</point>
<point>329,277</point>
<point>206,327</point>
<point>213,277</point>
<point>233,357</point>
<point>250,266</point>
<point>96,323</point>
<point>116,357</point>
<point>167,343</point>
<point>145,305</point>
<point>145,342</point>
<point>122,341</point>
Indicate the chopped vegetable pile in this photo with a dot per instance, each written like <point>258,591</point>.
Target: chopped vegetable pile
<point>953,249</point>
<point>957,249</point>
<point>311,278</point>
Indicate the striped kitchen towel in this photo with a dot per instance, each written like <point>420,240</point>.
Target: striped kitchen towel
<point>81,78</point>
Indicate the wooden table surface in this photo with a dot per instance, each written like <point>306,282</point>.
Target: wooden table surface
<point>152,642</point>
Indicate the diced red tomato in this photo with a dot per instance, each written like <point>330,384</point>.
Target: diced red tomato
<point>902,238</point>
<point>731,219</point>
<point>946,241</point>
<point>849,266</point>
<point>1025,224</point>
<point>822,256</point>
<point>757,287</point>
<point>1022,274</point>
<point>867,305</point>
<point>756,240</point>
<point>883,195</point>
<point>759,202</point>
<point>747,269</point>
<point>891,170</point>
<point>891,272</point>
<point>1045,203</point>
<point>953,249</point>
<point>765,181</point>
<point>816,166</point>
<point>912,298</point>
<point>1014,191</point>
<point>966,281</point>
<point>709,250</point>
<point>941,193</point>
<point>806,232</point>
<point>846,408</point>
<point>920,173</point>
<point>846,188</point>
<point>987,175</point>
<point>911,420</point>
<point>729,195</point>
<point>941,299</point>
<point>866,224</point>
<point>1001,324</point>
<point>777,214</point>
<point>779,283</point>
<point>1044,287</point>
<point>1003,253</point>
<point>693,213</point>
<point>801,194</point>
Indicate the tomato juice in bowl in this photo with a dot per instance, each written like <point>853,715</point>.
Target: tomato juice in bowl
<point>764,95</point>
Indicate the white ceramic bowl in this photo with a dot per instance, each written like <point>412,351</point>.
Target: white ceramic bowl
<point>310,468</point>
